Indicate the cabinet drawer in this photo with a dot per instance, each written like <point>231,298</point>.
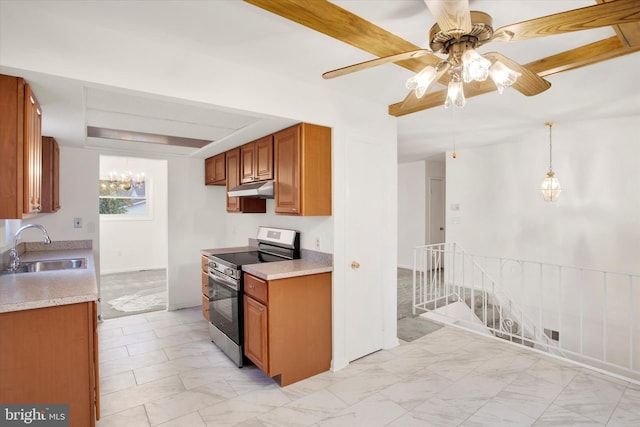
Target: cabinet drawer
<point>204,263</point>
<point>256,288</point>
<point>205,307</point>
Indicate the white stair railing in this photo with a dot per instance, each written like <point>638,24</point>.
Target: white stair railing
<point>589,316</point>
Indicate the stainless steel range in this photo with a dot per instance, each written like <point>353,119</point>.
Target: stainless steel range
<point>226,290</point>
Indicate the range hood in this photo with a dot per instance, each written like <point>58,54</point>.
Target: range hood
<point>261,190</point>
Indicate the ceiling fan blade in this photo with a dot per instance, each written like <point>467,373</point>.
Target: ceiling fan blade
<point>528,83</point>
<point>628,33</point>
<point>451,14</point>
<point>334,21</point>
<point>596,16</point>
<point>374,62</point>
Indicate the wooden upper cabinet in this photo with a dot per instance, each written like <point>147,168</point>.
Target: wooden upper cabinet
<point>302,164</point>
<point>32,202</point>
<point>240,204</point>
<point>20,149</point>
<point>215,170</point>
<point>50,175</point>
<point>257,160</point>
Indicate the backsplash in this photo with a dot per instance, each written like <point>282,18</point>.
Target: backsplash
<point>315,256</point>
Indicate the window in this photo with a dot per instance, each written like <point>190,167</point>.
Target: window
<point>124,196</point>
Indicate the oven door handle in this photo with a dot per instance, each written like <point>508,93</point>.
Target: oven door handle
<point>224,280</point>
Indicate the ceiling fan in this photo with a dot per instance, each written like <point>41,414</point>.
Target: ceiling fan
<point>456,34</point>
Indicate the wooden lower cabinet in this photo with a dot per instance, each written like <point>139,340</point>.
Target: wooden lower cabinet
<point>287,325</point>
<point>256,332</point>
<point>204,274</point>
<point>50,356</point>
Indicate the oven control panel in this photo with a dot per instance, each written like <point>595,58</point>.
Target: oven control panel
<point>220,268</point>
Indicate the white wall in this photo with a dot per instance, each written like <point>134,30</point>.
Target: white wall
<point>412,217</point>
<point>595,223</point>
<point>413,206</point>
<point>132,244</point>
<point>78,198</point>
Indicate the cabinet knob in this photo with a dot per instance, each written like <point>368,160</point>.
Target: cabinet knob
<point>261,309</point>
<point>355,264</point>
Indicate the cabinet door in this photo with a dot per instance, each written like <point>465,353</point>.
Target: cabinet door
<point>233,178</point>
<point>50,175</point>
<point>240,204</point>
<point>32,153</point>
<point>55,178</point>
<point>263,153</point>
<point>287,171</point>
<point>50,355</point>
<point>256,333</point>
<point>215,170</point>
<point>247,162</point>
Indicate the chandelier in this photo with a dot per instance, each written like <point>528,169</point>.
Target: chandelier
<point>550,187</point>
<point>464,64</point>
<point>126,180</point>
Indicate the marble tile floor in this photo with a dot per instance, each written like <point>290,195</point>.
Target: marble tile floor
<point>160,369</point>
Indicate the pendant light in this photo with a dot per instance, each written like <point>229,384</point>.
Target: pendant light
<point>550,187</point>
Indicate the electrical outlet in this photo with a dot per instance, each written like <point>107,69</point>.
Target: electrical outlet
<point>77,222</point>
<point>317,243</point>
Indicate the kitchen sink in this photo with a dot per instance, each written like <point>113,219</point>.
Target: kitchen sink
<point>49,265</point>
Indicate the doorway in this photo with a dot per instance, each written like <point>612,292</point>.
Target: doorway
<point>133,235</point>
<point>436,218</point>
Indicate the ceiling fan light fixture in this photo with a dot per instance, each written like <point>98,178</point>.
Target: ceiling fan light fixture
<point>421,81</point>
<point>455,92</point>
<point>502,76</point>
<point>474,66</point>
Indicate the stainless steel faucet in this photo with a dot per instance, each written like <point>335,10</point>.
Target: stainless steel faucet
<point>13,253</point>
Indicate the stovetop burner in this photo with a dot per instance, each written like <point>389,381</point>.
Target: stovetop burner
<point>238,259</point>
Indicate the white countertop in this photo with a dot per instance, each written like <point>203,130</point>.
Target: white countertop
<point>286,269</point>
<point>275,270</point>
<point>24,291</point>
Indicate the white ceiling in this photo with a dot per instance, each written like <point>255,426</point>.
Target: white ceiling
<point>240,33</point>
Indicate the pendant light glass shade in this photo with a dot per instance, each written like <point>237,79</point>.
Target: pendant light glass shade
<point>550,187</point>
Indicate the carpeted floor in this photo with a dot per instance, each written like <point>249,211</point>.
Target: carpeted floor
<point>123,294</point>
<point>410,327</point>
